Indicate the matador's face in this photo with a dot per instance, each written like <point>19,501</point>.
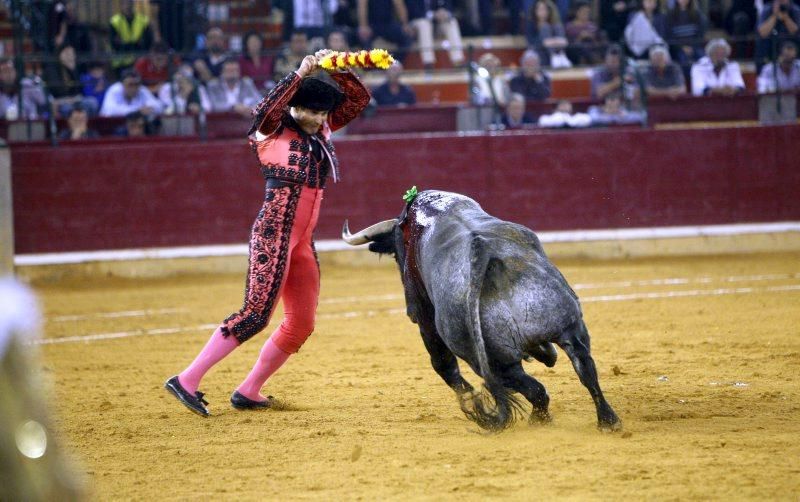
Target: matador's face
<point>309,120</point>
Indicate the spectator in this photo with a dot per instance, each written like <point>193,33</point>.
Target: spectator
<point>289,60</point>
<point>254,63</point>
<point>740,22</point>
<point>136,126</point>
<point>207,62</point>
<point>491,85</point>
<point>531,81</point>
<point>608,77</point>
<point>787,72</point>
<point>392,92</point>
<point>515,116</point>
<point>714,75</point>
<point>375,20</point>
<point>613,112</point>
<point>563,117</point>
<point>337,41</point>
<point>232,92</point>
<point>583,36</point>
<point>685,33</point>
<point>781,17</point>
<point>63,83</point>
<point>422,15</point>
<point>129,95</point>
<point>645,29</point>
<point>546,35</point>
<point>65,28</point>
<point>478,14</point>
<point>30,90</point>
<point>662,77</point>
<point>130,34</point>
<point>94,81</point>
<point>614,18</point>
<point>183,95</point>
<point>77,125</point>
<point>156,67</point>
<point>314,17</point>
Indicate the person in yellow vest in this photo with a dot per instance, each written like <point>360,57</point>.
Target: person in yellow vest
<point>131,35</point>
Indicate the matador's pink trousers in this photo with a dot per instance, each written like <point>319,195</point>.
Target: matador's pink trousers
<point>299,292</point>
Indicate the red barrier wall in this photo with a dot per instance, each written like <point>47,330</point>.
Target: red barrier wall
<point>174,193</point>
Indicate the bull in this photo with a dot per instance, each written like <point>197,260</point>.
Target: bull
<point>483,290</point>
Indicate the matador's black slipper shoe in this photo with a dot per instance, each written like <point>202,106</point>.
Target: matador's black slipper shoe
<point>241,402</point>
<point>195,402</point>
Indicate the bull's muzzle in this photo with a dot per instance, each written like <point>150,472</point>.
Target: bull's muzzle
<point>368,234</point>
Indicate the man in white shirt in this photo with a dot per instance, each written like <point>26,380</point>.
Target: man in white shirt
<point>129,95</point>
<point>714,75</point>
<point>231,92</point>
<point>787,72</point>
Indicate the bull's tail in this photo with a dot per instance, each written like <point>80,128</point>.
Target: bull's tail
<point>496,410</point>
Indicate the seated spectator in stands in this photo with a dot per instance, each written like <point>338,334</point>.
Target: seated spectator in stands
<point>422,15</point>
<point>232,92</point>
<point>130,33</point>
<point>740,21</point>
<point>33,95</point>
<point>491,85</point>
<point>614,17</point>
<point>254,63</point>
<point>563,117</point>
<point>95,82</point>
<point>662,77</point>
<point>337,41</point>
<point>531,81</point>
<point>392,92</point>
<point>781,17</point>
<point>77,125</point>
<point>613,112</point>
<point>129,95</point>
<point>545,34</point>
<point>65,28</point>
<point>714,75</point>
<point>291,56</point>
<point>685,33</point>
<point>645,29</point>
<point>136,126</point>
<point>387,19</point>
<point>515,116</point>
<point>583,36</point>
<point>63,83</point>
<point>608,78</point>
<point>207,62</point>
<point>184,95</point>
<point>787,72</point>
<point>314,17</point>
<point>156,67</point>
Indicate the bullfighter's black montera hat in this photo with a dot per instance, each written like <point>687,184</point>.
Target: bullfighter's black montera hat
<point>319,92</point>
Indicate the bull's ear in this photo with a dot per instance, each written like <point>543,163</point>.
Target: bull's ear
<point>383,244</point>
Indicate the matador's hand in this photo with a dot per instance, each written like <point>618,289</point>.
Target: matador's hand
<point>307,66</point>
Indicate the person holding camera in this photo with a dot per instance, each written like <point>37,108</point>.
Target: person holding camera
<point>779,22</point>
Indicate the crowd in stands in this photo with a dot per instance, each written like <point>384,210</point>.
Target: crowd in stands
<point>657,49</point>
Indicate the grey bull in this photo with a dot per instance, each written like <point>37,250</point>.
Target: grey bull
<point>483,290</point>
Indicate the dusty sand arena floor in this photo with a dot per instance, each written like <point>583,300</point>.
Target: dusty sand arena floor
<point>700,357</point>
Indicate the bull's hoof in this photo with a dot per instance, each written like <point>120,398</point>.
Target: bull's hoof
<point>610,426</point>
<point>540,417</point>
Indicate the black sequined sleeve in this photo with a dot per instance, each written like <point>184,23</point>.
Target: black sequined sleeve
<point>267,114</point>
<point>356,99</point>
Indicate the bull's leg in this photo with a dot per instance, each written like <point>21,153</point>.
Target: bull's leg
<point>514,377</point>
<point>443,360</point>
<point>575,343</point>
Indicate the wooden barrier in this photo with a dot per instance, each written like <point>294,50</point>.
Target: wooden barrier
<point>113,194</point>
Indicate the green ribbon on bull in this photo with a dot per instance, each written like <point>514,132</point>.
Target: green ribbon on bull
<point>410,195</point>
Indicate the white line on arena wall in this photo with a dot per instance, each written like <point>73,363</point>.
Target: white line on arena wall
<point>399,311</point>
<point>338,245</point>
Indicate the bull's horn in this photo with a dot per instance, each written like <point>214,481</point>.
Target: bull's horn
<point>368,234</point>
